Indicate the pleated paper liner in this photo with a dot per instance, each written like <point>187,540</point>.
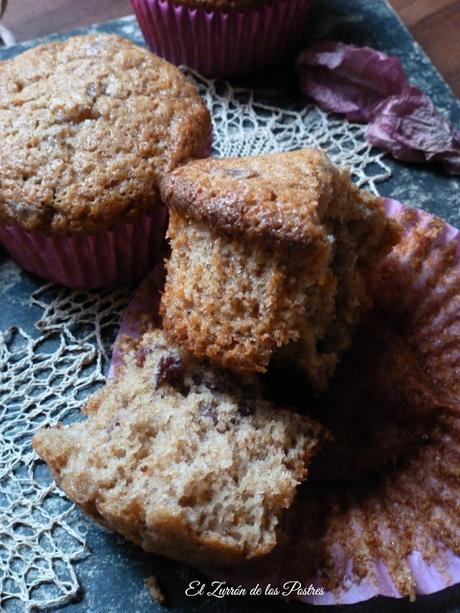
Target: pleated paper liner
<point>105,258</point>
<point>380,512</point>
<point>121,255</point>
<point>220,43</point>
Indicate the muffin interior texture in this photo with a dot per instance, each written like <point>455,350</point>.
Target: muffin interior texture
<point>89,126</point>
<point>270,261</point>
<point>182,458</point>
<point>261,301</point>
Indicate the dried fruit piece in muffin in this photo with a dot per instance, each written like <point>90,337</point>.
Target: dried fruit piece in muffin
<point>270,258</point>
<point>181,458</point>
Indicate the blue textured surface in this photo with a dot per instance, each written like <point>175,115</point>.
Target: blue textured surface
<point>112,576</point>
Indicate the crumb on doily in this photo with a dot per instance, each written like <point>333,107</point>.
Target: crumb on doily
<point>151,583</point>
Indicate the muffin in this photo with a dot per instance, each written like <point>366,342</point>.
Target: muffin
<point>89,126</point>
<point>181,458</point>
<point>220,38</point>
<point>395,531</point>
<point>382,496</point>
<point>270,260</point>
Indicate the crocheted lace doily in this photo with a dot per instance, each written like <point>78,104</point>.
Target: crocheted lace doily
<point>46,375</point>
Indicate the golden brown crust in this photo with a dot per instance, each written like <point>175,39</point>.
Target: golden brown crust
<point>89,126</point>
<point>281,197</point>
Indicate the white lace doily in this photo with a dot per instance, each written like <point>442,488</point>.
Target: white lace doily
<point>45,376</point>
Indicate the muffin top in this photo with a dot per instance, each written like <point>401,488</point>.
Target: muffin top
<point>285,197</point>
<point>225,5</point>
<point>89,126</point>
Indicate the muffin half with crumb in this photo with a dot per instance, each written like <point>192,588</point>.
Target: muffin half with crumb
<point>182,458</point>
<point>89,126</point>
<point>270,260</point>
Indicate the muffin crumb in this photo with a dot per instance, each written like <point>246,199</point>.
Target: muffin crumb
<point>151,583</point>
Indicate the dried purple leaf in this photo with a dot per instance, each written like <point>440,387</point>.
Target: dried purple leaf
<point>368,86</point>
<point>410,128</point>
<point>349,80</point>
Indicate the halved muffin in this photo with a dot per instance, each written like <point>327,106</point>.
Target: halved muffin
<point>181,458</point>
<point>270,260</point>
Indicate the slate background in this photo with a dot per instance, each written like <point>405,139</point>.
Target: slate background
<point>112,576</point>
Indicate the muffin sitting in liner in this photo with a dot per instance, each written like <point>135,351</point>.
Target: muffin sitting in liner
<point>223,37</point>
<point>89,127</point>
<point>182,458</point>
<point>270,260</point>
<point>378,513</point>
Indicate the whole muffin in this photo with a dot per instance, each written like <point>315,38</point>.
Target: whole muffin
<point>89,127</point>
<point>220,38</point>
<point>270,260</point>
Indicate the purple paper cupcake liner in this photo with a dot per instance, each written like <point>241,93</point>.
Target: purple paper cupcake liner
<point>82,260</point>
<point>419,284</point>
<point>424,276</point>
<point>218,43</point>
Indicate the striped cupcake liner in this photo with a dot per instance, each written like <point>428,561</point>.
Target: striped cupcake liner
<point>105,258</point>
<point>218,43</point>
<point>400,536</point>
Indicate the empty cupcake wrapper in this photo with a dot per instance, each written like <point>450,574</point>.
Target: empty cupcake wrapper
<point>401,537</point>
<point>105,258</point>
<point>218,43</point>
